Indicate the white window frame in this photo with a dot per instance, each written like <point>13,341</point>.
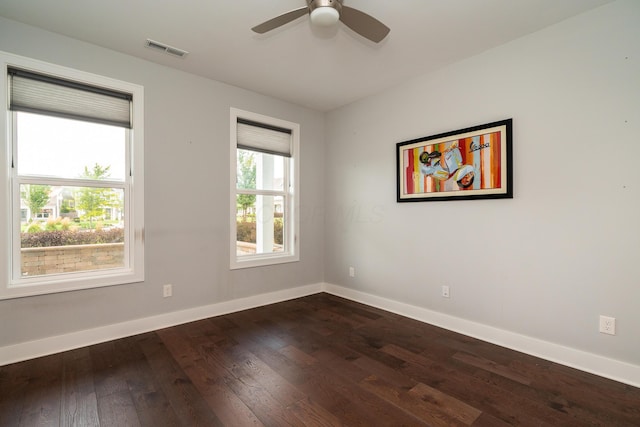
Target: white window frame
<point>14,285</point>
<point>292,222</point>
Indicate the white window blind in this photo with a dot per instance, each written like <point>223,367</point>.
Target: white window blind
<point>43,94</point>
<point>263,138</point>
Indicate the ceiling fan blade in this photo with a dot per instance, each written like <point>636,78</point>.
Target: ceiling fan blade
<point>278,21</point>
<point>365,25</point>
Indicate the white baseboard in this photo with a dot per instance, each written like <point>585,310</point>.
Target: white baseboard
<point>602,366</point>
<point>588,362</point>
<point>50,345</point>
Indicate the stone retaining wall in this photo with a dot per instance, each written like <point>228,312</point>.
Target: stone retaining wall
<point>63,259</point>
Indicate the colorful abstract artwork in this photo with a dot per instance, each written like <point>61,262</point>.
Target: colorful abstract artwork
<point>465,164</point>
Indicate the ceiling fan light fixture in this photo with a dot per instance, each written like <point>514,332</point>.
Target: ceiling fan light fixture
<point>325,16</point>
<point>327,13</point>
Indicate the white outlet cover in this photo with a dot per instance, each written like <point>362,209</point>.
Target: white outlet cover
<point>167,291</point>
<point>445,291</point>
<point>608,325</point>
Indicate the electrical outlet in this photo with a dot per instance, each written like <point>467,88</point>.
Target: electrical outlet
<point>167,291</point>
<point>352,272</point>
<point>445,291</point>
<point>608,325</point>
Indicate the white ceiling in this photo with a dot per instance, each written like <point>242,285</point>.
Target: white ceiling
<point>296,63</point>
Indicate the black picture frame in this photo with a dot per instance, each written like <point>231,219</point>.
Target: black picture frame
<point>464,164</point>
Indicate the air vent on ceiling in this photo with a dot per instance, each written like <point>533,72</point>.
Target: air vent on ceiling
<point>170,50</point>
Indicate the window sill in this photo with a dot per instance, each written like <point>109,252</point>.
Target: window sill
<point>262,260</point>
<point>67,282</point>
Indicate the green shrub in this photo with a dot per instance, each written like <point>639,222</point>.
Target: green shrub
<point>277,231</point>
<point>51,225</point>
<point>58,224</point>
<point>65,223</point>
<point>246,231</point>
<point>34,227</point>
<point>70,237</point>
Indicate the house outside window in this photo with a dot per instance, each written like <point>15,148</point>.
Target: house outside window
<point>75,151</point>
<point>264,190</point>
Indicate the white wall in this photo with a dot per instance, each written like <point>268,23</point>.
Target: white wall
<point>545,264</point>
<point>186,197</point>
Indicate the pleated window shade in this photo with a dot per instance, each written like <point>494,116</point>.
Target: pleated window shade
<point>49,95</point>
<point>263,138</point>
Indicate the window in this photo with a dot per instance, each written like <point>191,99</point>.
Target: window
<point>74,152</point>
<point>264,193</point>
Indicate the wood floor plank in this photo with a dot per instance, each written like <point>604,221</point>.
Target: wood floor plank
<point>451,406</point>
<point>260,388</point>
<point>468,387</point>
<point>14,380</point>
<point>188,404</point>
<point>309,413</point>
<point>297,356</point>
<point>484,395</point>
<point>115,403</point>
<point>248,379</point>
<point>353,403</point>
<point>584,396</point>
<point>370,345</point>
<point>79,406</point>
<point>423,409</point>
<point>400,381</point>
<point>347,379</point>
<point>117,409</point>
<point>488,420</point>
<point>332,382</point>
<point>152,405</point>
<point>108,369</point>
<point>281,361</point>
<point>491,366</point>
<point>209,377</point>
<point>43,394</point>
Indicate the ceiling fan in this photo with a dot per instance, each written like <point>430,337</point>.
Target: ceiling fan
<point>326,13</point>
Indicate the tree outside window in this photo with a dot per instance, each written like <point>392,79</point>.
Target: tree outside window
<point>36,198</point>
<point>246,179</point>
<point>94,201</point>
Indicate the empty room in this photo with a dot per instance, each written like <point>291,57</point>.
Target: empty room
<point>320,212</point>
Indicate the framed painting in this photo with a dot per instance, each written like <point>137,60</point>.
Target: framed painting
<point>465,164</point>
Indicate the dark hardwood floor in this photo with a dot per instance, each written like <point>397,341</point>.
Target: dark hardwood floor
<point>318,361</point>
